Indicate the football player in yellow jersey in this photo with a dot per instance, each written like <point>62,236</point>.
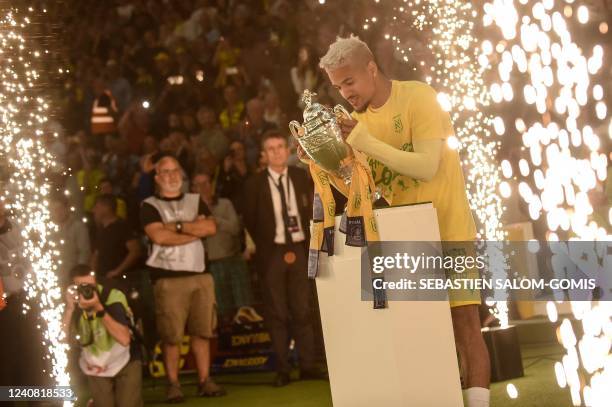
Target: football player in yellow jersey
<point>403,130</point>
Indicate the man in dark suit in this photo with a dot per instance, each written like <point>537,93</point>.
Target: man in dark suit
<point>277,215</point>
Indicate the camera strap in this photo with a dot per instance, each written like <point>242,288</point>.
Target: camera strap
<point>106,289</point>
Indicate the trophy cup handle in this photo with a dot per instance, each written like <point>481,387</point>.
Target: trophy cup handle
<point>296,129</point>
<point>339,110</point>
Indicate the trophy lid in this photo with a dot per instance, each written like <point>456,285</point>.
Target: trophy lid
<point>311,110</point>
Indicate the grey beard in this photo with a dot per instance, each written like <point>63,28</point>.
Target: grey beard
<point>172,189</point>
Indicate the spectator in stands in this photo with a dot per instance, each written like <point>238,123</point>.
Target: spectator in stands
<point>118,85</point>
<point>146,184</point>
<point>134,126</point>
<point>273,112</point>
<point>104,111</point>
<point>175,224</point>
<point>208,163</point>
<point>182,150</point>
<point>253,128</point>
<point>110,150</point>
<point>226,60</point>
<point>227,266</point>
<point>149,48</point>
<point>174,122</point>
<point>211,136</point>
<point>188,123</point>
<point>184,59</point>
<point>89,177</point>
<point>233,175</point>
<point>116,249</point>
<point>305,74</point>
<point>150,145</point>
<point>234,108</point>
<point>73,235</point>
<point>164,68</point>
<point>242,24</point>
<point>280,232</point>
<point>167,146</point>
<point>110,358</point>
<point>120,167</point>
<point>200,27</point>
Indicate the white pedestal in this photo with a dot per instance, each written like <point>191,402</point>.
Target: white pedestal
<point>400,356</point>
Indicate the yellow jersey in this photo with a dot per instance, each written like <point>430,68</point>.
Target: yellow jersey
<point>412,112</point>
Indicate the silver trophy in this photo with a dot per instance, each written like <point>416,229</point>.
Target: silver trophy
<point>321,138</point>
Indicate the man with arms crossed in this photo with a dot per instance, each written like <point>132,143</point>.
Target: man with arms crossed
<point>184,291</point>
<point>402,129</point>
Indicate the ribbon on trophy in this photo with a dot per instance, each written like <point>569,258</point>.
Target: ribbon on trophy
<point>358,223</point>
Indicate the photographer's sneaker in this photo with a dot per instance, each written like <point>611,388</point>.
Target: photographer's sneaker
<point>174,394</point>
<point>210,389</point>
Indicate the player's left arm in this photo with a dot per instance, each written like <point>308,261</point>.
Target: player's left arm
<point>428,137</point>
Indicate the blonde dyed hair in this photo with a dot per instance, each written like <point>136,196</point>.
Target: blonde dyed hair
<point>345,51</point>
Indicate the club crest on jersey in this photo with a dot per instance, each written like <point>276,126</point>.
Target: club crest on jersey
<point>397,123</point>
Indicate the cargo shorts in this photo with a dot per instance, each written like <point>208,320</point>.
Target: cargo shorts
<point>185,302</point>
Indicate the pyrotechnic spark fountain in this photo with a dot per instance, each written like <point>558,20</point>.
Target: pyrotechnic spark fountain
<point>533,46</point>
<point>558,76</point>
<point>23,118</point>
<point>458,78</point>
<point>564,161</point>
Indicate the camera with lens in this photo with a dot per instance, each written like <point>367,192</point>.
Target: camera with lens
<point>86,291</point>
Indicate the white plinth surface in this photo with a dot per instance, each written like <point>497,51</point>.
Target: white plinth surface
<point>400,356</point>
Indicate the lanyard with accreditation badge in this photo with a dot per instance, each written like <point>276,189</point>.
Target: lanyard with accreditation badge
<point>290,221</point>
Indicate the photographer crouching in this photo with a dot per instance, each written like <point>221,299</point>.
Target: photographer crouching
<point>100,318</point>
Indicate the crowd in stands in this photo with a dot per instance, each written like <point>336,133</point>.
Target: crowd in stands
<point>202,81</point>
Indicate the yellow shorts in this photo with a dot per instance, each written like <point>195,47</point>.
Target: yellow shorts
<point>462,296</point>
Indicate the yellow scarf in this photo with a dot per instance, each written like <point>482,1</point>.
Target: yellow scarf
<point>359,225</point>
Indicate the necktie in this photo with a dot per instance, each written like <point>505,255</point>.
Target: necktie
<point>284,210</point>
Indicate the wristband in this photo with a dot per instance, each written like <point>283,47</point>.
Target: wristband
<point>179,227</point>
<point>100,314</point>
